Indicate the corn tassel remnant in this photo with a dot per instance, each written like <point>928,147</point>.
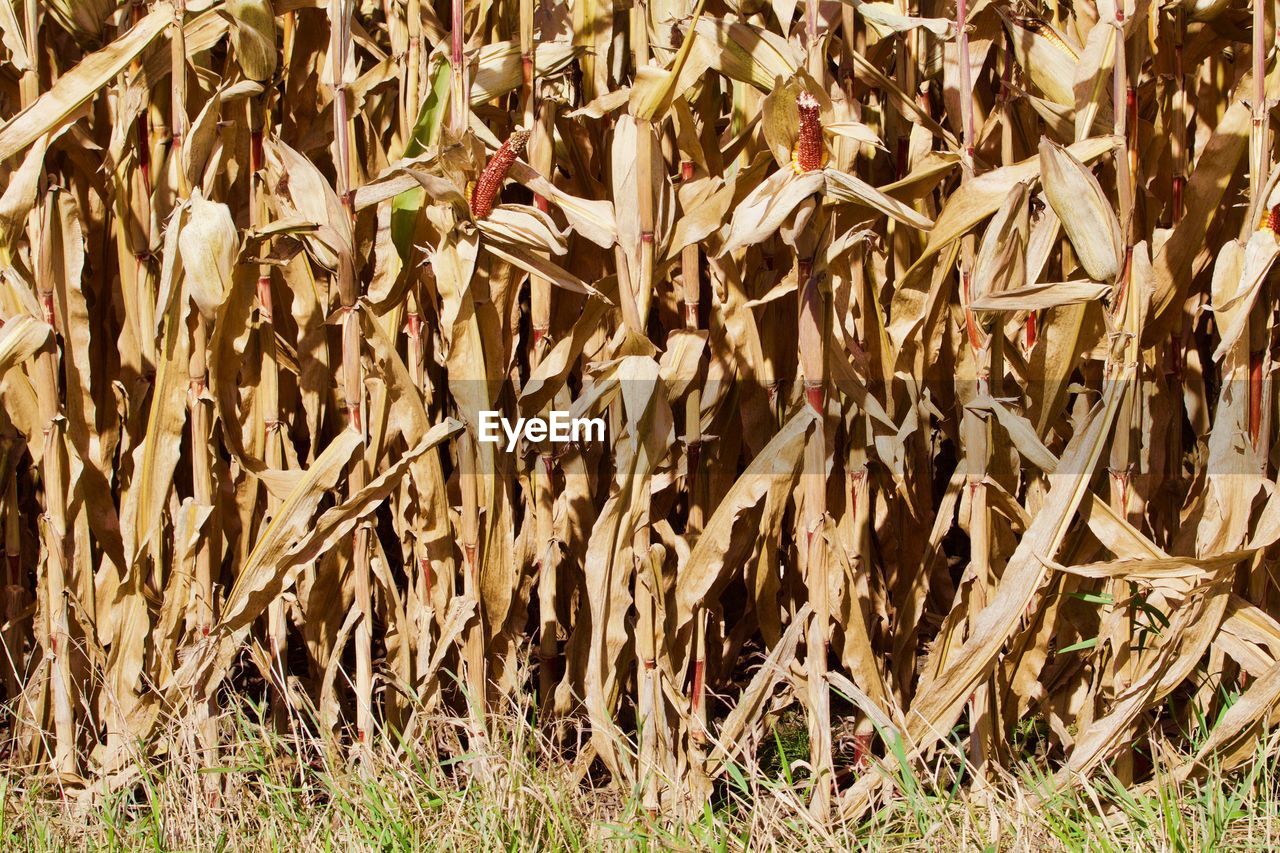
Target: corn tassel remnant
<point>495,172</point>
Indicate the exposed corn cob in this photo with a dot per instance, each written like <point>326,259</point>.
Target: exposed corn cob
<point>1046,32</point>
<point>1270,219</point>
<point>495,172</point>
<point>808,154</point>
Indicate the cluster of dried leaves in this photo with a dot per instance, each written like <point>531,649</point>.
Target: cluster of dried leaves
<point>935,344</point>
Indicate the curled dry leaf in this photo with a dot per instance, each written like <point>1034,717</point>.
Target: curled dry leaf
<point>83,18</point>
<point>524,226</point>
<point>763,212</point>
<point>886,18</point>
<point>81,83</point>
<point>1037,297</point>
<point>1001,263</point>
<point>21,338</point>
<point>975,200</point>
<point>253,34</point>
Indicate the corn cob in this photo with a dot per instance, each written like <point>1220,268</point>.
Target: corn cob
<point>209,245</point>
<point>495,172</point>
<point>1270,219</point>
<point>808,154</point>
<point>1049,34</point>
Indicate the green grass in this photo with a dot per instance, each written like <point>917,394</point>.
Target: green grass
<point>276,792</point>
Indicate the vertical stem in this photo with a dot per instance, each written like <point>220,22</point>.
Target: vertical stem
<point>1259,331</point>
<point>269,390</point>
<point>906,73</point>
<point>812,332</point>
<point>691,285</point>
<point>541,149</point>
<point>29,91</point>
<point>815,57</point>
<point>1124,452</point>
<point>548,624</point>
<point>207,556</point>
<point>1120,122</point>
<point>540,295</point>
<point>459,105</point>
<point>411,96</point>
<point>647,184</point>
<point>848,38</point>
<point>691,292</point>
<point>647,175</point>
<point>646,699</point>
<point>14,593</point>
<point>860,506</point>
<point>473,639</point>
<point>54,466</point>
<point>352,384</point>
<point>201,473</point>
<point>410,105</point>
<point>1259,131</point>
<point>1178,142</point>
<point>976,439</point>
<point>29,85</point>
<point>425,578</point>
<point>987,358</point>
<point>141,203</point>
<point>178,93</point>
<point>55,638</point>
<point>528,61</point>
<point>966,84</point>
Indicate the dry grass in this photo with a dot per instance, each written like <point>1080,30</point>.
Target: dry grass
<point>935,342</point>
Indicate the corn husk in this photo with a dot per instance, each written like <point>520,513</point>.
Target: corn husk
<point>253,33</point>
<point>209,244</point>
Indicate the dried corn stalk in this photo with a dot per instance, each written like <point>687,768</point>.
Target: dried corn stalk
<point>919,385</point>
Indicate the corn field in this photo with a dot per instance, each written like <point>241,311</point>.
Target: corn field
<point>934,342</point>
